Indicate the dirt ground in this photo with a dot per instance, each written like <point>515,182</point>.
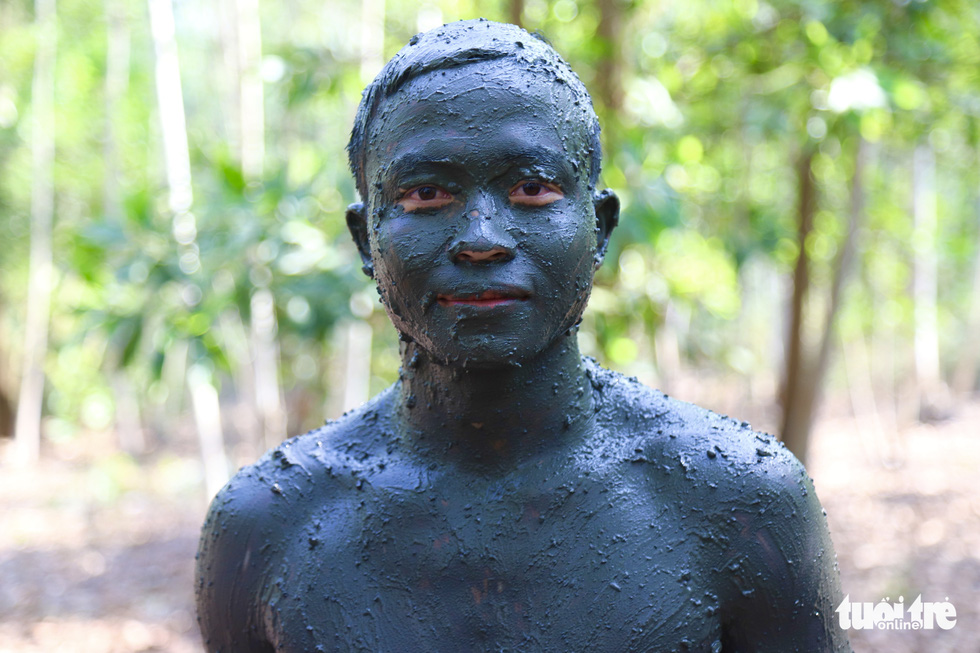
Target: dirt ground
<point>97,550</point>
<point>904,514</point>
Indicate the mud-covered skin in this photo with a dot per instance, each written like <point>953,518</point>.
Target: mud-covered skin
<point>666,528</point>
<point>507,494</point>
<point>475,132</point>
<point>478,131</point>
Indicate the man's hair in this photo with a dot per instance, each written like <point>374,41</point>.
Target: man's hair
<point>458,44</point>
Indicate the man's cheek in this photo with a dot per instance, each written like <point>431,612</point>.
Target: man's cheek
<point>414,242</point>
<point>560,250</point>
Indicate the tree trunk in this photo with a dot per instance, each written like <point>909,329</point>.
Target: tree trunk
<point>795,428</point>
<point>6,416</point>
<point>173,124</point>
<point>265,357</point>
<point>843,264</point>
<point>251,93</point>
<point>270,411</point>
<point>207,417</point>
<point>27,430</point>
<point>129,421</point>
<point>204,396</point>
<point>230,87</point>
<point>8,380</point>
<point>933,396</point>
<point>609,77</point>
<point>965,377</point>
<point>515,12</point>
<point>357,379</point>
<point>372,38</point>
<point>116,83</point>
<point>245,417</point>
<point>801,395</point>
<point>129,427</point>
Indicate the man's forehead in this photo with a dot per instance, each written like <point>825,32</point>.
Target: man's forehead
<point>505,72</point>
<point>508,149</point>
<point>471,133</point>
<point>486,92</point>
<point>432,57</point>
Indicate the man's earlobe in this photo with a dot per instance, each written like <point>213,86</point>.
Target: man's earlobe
<point>606,218</point>
<point>357,224</point>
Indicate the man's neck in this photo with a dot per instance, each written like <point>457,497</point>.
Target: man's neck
<point>494,416</point>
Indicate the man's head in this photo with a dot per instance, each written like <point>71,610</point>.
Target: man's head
<point>476,156</point>
<point>459,44</point>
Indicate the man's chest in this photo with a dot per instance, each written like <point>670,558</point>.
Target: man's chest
<point>563,566</point>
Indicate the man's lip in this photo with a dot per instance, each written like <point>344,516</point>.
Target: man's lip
<point>487,298</point>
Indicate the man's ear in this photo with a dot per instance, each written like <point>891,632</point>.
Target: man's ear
<point>606,218</point>
<point>357,224</point>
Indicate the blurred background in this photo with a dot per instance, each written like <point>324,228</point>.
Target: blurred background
<point>799,247</point>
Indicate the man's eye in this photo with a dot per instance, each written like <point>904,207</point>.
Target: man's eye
<point>535,193</point>
<point>424,197</point>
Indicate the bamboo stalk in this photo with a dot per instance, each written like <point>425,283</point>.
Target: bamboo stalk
<point>27,430</point>
<point>204,396</point>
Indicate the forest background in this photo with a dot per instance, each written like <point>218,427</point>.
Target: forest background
<point>799,246</point>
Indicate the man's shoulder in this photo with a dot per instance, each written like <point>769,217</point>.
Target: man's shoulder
<point>313,467</point>
<point>668,433</point>
<point>266,510</point>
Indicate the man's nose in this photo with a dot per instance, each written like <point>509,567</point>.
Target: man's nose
<point>482,239</point>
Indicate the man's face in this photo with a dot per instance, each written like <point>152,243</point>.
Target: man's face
<point>481,222</point>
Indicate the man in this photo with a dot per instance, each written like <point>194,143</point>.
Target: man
<point>507,494</point>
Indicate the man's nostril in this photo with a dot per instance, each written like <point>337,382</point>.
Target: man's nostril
<point>483,256</point>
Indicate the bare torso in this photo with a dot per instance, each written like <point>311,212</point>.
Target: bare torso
<point>663,528</point>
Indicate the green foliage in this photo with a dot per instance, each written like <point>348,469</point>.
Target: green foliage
<point>718,101</point>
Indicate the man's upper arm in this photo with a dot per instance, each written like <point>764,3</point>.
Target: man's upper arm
<point>230,567</point>
<point>784,583</point>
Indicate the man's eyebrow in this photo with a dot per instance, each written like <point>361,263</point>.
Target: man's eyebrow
<point>415,161</point>
<point>539,155</point>
<point>522,155</point>
<point>550,164</point>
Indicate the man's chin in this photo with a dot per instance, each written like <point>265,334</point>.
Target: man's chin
<point>481,356</point>
<point>489,363</point>
<point>481,361</point>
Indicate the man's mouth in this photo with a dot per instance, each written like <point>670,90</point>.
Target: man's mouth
<point>486,299</point>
